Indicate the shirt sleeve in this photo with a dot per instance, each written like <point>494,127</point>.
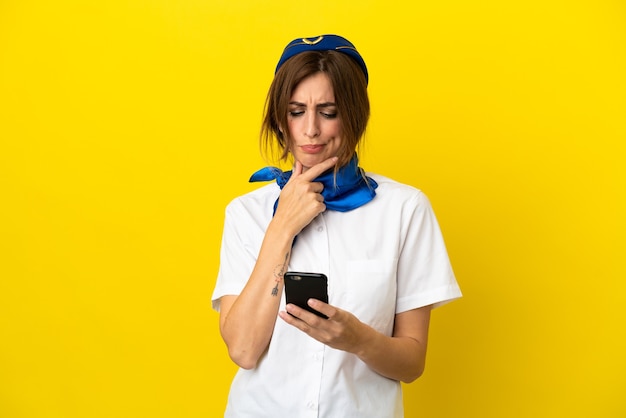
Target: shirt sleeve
<point>425,275</point>
<point>237,254</point>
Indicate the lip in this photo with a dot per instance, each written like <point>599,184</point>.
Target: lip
<point>312,148</point>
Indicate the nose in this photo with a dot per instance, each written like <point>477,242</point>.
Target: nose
<point>311,126</point>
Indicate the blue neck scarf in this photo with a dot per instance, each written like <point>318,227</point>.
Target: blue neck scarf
<point>348,190</point>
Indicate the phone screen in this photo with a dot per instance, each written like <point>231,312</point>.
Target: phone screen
<point>300,287</point>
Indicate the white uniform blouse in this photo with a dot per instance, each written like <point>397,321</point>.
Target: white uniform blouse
<point>381,259</point>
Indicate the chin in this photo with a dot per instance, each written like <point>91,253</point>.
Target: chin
<point>309,161</point>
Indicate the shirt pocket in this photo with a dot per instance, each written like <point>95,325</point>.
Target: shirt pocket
<point>372,288</point>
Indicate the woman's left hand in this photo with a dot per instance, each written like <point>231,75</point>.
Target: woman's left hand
<point>400,356</point>
<point>342,330</point>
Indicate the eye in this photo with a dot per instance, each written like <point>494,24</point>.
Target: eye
<point>296,113</point>
<point>329,115</point>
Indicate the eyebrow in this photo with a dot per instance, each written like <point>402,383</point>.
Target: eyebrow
<point>321,105</point>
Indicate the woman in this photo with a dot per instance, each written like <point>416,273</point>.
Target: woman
<point>376,240</point>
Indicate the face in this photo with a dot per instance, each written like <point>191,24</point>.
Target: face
<point>313,121</point>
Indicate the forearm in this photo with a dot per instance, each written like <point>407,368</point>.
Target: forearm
<point>398,358</point>
<point>248,325</point>
<point>401,356</point>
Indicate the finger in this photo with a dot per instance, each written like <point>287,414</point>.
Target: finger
<point>317,187</point>
<point>293,310</point>
<point>325,308</point>
<point>292,320</point>
<point>297,170</point>
<point>296,316</point>
<point>320,168</point>
<point>307,319</point>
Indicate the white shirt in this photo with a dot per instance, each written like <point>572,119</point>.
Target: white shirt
<point>381,259</point>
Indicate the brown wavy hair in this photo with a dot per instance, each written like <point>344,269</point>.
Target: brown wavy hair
<point>350,89</point>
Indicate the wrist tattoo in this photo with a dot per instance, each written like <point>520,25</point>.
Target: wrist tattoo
<point>279,273</point>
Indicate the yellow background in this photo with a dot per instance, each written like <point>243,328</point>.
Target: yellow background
<point>127,126</point>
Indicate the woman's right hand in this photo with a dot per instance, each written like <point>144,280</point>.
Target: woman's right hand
<point>301,199</point>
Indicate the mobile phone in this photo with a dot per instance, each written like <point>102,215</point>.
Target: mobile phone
<point>300,287</point>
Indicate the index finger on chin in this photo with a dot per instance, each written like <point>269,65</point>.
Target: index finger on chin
<point>320,168</point>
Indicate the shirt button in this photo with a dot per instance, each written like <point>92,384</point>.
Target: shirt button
<point>320,228</point>
<point>311,405</point>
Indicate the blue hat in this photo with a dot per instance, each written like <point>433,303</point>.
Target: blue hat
<point>322,43</point>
